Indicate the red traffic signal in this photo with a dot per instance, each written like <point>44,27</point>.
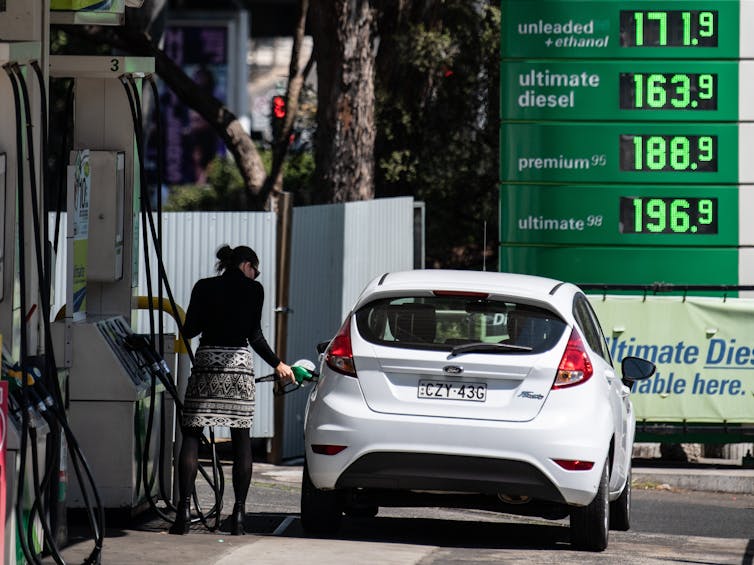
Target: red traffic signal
<point>278,107</point>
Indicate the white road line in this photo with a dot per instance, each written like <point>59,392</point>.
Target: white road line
<point>283,525</point>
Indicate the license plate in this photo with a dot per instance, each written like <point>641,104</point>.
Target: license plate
<point>448,390</point>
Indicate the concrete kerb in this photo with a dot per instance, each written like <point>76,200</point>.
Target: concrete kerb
<point>733,481</point>
<point>728,480</point>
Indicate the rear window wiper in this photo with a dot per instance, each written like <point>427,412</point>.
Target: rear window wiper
<point>482,347</point>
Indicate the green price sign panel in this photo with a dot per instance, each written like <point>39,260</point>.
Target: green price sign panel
<point>679,153</point>
<point>622,29</point>
<point>625,265</point>
<point>620,90</point>
<point>699,216</point>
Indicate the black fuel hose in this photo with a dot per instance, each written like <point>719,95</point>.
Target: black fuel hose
<point>28,554</point>
<point>43,284</point>
<point>217,482</point>
<point>97,524</point>
<point>44,295</point>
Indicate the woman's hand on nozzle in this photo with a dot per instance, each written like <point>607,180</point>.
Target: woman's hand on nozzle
<point>285,374</point>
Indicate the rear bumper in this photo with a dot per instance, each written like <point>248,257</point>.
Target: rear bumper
<point>448,473</point>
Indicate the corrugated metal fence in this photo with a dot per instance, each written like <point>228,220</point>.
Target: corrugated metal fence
<point>190,241</point>
<point>336,250</point>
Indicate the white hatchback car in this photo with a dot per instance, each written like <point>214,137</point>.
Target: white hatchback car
<point>474,390</point>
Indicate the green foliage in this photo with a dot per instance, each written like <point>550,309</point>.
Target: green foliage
<point>438,119</point>
<point>298,174</point>
<point>225,189</point>
<point>430,49</point>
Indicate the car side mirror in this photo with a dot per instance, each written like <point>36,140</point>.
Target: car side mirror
<point>636,369</point>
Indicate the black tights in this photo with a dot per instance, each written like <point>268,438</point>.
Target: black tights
<point>188,462</point>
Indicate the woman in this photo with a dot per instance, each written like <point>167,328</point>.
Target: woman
<point>226,310</point>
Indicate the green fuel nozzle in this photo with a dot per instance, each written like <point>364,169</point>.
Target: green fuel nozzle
<point>303,374</point>
<point>304,371</point>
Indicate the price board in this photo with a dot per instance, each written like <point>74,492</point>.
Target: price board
<point>625,128</point>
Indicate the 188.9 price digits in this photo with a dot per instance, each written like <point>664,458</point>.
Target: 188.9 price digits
<point>668,153</point>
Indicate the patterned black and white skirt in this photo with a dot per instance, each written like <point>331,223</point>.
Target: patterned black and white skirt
<point>220,389</point>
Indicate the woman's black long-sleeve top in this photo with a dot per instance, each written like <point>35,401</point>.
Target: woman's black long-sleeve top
<point>227,311</point>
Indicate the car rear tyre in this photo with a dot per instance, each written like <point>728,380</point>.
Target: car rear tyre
<point>589,524</point>
<point>620,508</point>
<point>321,510</point>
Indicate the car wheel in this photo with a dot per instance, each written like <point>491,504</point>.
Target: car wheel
<point>620,508</point>
<point>589,524</point>
<point>321,510</point>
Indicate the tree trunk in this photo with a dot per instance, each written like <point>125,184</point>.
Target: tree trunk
<point>343,32</point>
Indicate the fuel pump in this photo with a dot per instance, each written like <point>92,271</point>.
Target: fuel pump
<point>103,202</point>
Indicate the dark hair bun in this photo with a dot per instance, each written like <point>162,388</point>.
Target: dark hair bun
<point>224,253</point>
<point>228,257</point>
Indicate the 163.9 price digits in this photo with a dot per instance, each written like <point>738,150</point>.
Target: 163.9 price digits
<point>668,91</point>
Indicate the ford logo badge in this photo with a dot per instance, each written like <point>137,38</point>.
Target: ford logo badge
<point>453,369</point>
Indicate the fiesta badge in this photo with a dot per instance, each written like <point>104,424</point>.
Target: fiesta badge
<point>453,369</point>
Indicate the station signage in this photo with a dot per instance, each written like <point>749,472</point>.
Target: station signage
<point>705,366</point>
<point>624,128</point>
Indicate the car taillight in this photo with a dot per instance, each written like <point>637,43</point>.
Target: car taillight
<point>575,367</point>
<point>326,449</point>
<point>575,464</point>
<point>339,354</point>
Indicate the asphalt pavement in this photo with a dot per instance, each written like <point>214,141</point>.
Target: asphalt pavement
<point>143,539</point>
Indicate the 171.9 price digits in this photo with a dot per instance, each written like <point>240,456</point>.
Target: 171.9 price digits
<point>668,28</point>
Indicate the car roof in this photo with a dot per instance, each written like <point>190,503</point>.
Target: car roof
<point>528,287</point>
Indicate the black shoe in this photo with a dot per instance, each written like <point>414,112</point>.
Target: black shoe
<point>182,518</point>
<point>237,519</point>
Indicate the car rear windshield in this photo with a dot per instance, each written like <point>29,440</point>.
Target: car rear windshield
<point>447,322</point>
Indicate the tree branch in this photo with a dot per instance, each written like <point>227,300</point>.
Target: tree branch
<point>223,121</point>
<point>274,184</point>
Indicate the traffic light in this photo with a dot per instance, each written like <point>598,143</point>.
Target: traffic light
<point>277,115</point>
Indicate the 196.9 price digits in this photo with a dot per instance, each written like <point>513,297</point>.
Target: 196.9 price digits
<point>668,215</point>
